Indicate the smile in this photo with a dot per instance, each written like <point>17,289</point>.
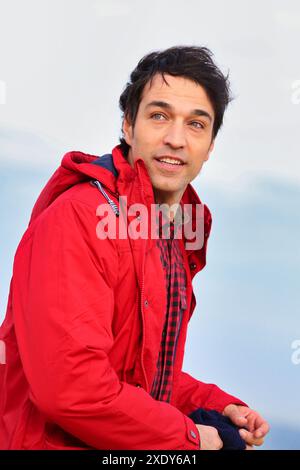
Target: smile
<point>172,161</point>
<point>169,163</point>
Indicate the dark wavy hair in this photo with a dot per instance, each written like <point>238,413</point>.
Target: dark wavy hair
<point>192,62</point>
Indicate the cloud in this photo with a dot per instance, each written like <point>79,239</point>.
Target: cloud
<point>288,18</point>
<point>24,148</point>
<point>112,8</point>
<point>2,92</point>
<point>71,81</point>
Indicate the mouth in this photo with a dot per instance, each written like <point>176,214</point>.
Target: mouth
<point>170,163</point>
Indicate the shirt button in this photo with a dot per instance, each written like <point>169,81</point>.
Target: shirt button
<point>193,434</point>
<point>146,303</point>
<point>193,266</point>
<point>138,386</point>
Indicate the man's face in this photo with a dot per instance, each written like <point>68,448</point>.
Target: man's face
<point>173,121</point>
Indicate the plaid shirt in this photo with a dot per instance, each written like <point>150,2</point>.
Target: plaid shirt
<point>175,275</point>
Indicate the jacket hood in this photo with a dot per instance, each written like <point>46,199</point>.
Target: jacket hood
<point>77,167</point>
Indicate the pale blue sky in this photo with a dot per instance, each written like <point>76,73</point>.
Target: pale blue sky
<point>64,64</point>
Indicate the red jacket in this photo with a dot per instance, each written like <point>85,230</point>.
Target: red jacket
<point>84,323</point>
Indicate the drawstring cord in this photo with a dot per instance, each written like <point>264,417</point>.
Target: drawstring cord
<point>110,201</point>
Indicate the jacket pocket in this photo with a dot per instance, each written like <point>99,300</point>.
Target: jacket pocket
<point>56,438</point>
<point>53,446</point>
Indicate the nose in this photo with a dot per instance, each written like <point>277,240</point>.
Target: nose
<point>175,135</point>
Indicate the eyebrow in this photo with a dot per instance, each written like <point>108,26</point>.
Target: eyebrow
<point>165,105</point>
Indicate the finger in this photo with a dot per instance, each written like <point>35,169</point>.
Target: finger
<point>249,447</point>
<point>239,420</point>
<point>234,414</point>
<point>250,425</point>
<point>262,429</point>
<point>250,439</point>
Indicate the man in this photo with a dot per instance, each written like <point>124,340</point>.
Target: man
<point>96,325</point>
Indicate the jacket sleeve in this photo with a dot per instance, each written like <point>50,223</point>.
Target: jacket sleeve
<point>63,308</point>
<point>193,394</point>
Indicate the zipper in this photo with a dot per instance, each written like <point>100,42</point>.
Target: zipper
<point>142,294</point>
<point>109,200</point>
<point>143,318</point>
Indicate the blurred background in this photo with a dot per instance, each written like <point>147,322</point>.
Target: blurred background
<point>63,65</point>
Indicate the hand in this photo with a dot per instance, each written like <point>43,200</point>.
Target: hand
<point>255,427</point>
<point>209,438</point>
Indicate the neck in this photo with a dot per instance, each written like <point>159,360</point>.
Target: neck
<point>171,201</point>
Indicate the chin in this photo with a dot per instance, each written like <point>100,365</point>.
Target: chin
<point>165,189</point>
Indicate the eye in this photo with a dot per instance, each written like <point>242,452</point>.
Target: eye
<point>157,116</point>
<point>198,125</point>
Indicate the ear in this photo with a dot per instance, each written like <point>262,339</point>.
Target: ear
<point>127,130</point>
<point>211,147</point>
